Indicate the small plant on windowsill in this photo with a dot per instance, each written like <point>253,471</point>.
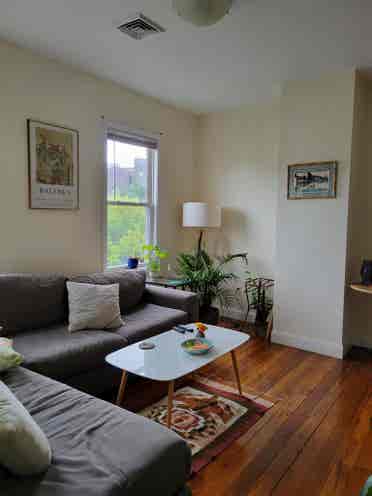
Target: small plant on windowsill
<point>153,255</point>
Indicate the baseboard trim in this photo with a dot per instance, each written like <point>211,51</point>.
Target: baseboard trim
<point>321,347</point>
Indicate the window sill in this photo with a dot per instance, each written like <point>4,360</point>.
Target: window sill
<point>112,267</point>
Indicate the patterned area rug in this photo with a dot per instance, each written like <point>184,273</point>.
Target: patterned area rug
<point>209,417</point>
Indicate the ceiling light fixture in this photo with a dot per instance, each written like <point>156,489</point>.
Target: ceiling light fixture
<point>202,12</point>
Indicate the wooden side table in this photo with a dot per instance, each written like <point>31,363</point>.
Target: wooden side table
<point>167,283</point>
<point>362,288</point>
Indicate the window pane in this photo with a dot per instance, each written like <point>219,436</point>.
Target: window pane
<point>126,233</point>
<point>127,169</point>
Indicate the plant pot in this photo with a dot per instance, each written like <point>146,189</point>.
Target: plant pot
<point>132,263</point>
<point>366,272</point>
<point>209,315</point>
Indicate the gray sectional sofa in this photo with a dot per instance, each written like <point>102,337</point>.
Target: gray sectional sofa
<point>34,312</point>
<point>98,448</point>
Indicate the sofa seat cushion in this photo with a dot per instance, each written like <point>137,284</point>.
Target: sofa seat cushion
<point>98,449</point>
<point>59,354</point>
<point>147,320</point>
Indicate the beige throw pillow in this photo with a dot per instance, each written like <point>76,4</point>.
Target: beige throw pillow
<point>24,448</point>
<point>93,306</point>
<point>9,358</point>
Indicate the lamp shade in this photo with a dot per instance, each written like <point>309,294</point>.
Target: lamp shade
<point>202,12</point>
<point>201,215</point>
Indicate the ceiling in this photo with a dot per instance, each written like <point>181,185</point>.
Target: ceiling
<point>242,59</point>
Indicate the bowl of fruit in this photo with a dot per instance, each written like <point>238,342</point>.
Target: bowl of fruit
<point>197,346</point>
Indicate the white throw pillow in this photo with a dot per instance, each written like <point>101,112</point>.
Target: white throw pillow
<point>93,306</point>
<point>24,448</point>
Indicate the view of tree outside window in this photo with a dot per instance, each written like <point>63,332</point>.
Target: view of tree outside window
<point>128,200</point>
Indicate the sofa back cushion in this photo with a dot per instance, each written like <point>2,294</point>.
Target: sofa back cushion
<point>131,284</point>
<point>31,301</point>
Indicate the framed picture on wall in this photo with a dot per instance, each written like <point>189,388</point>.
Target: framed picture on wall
<point>53,161</point>
<point>312,180</point>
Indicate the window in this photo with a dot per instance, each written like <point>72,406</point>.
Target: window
<point>131,195</point>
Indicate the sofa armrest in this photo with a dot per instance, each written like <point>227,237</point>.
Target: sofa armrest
<point>174,298</point>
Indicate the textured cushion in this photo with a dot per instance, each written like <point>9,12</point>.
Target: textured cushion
<point>173,298</point>
<point>31,301</point>
<point>131,284</point>
<point>93,306</point>
<point>147,320</point>
<point>24,449</point>
<point>9,358</point>
<point>58,353</point>
<point>98,449</point>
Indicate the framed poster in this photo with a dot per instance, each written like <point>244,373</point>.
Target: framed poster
<point>312,180</point>
<point>53,161</point>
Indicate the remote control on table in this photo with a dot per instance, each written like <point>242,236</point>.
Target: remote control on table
<point>183,329</point>
<point>177,329</point>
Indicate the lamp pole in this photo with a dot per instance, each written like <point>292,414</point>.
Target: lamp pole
<point>200,241</point>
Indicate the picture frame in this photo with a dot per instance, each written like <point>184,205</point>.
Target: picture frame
<point>53,166</point>
<point>313,180</point>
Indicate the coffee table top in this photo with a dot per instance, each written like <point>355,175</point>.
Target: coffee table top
<point>168,361</point>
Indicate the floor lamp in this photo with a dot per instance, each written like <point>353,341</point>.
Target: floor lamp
<point>201,216</point>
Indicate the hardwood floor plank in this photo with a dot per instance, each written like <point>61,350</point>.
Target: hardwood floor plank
<point>294,445</point>
<point>227,467</point>
<point>291,436</point>
<point>248,457</point>
<point>354,458</point>
<point>309,472</point>
<point>273,369</point>
<point>297,385</point>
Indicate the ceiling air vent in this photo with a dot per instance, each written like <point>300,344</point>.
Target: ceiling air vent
<point>140,26</point>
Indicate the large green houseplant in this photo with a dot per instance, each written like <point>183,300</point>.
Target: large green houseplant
<point>209,278</point>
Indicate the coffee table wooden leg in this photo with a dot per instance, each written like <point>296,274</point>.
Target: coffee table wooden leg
<point>170,403</point>
<point>123,383</point>
<point>236,370</point>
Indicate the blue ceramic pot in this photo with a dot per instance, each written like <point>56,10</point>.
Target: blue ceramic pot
<point>132,263</point>
<point>366,272</point>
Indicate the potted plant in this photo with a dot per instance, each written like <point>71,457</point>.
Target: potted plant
<point>208,277</point>
<point>133,262</point>
<point>258,292</point>
<point>152,256</point>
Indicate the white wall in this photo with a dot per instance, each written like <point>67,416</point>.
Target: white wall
<point>237,169</point>
<point>34,87</point>
<point>241,159</point>
<point>316,125</point>
<point>314,247</point>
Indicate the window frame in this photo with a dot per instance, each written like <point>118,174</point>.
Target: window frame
<point>151,205</point>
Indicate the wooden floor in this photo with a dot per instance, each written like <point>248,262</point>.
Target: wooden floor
<point>316,440</point>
